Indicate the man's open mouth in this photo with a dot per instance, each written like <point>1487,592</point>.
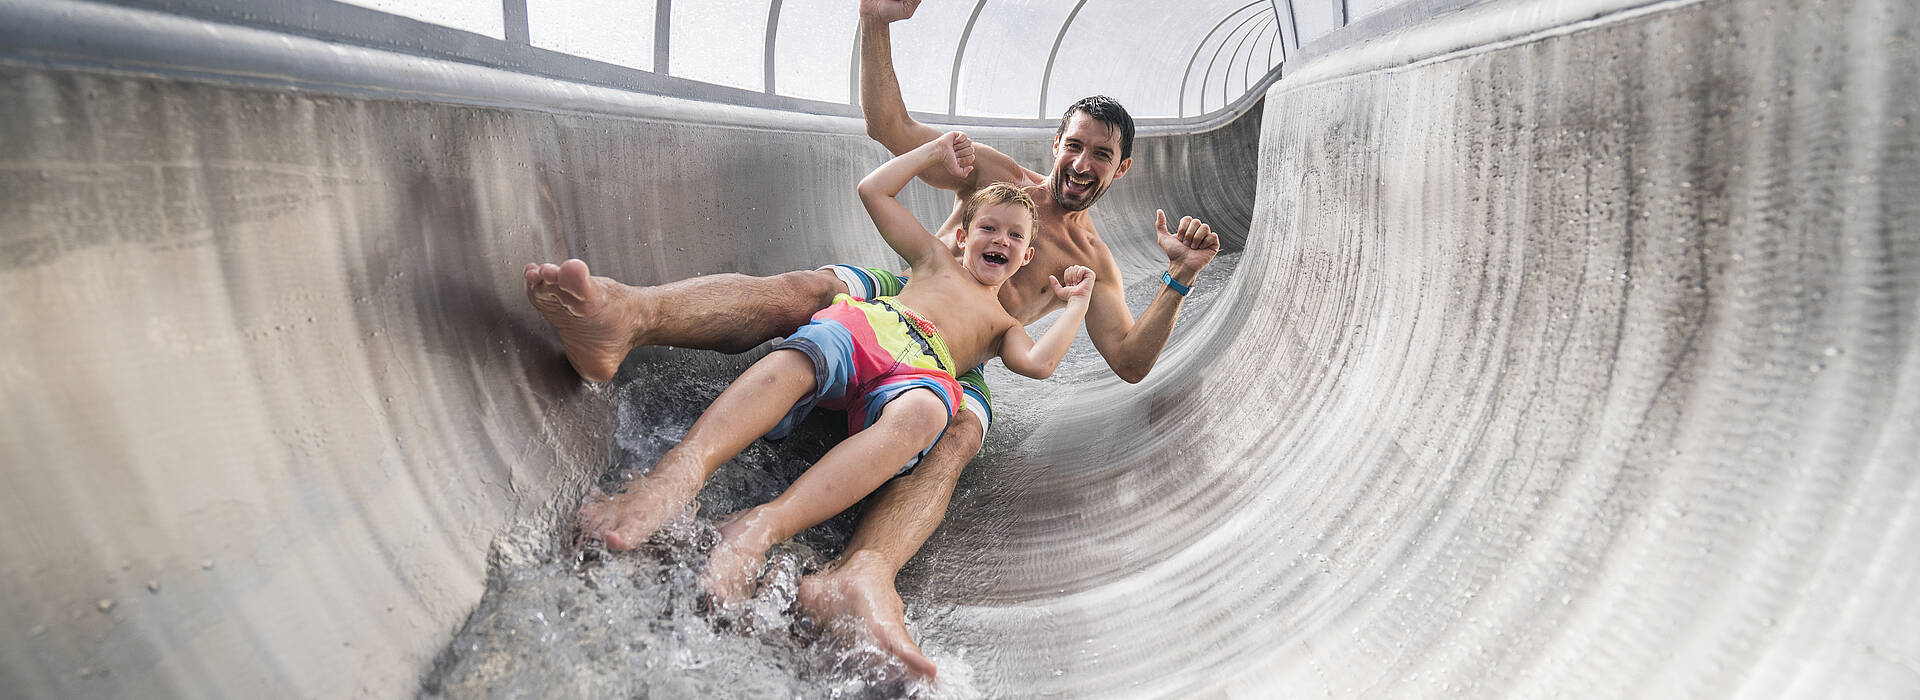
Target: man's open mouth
<point>1079,184</point>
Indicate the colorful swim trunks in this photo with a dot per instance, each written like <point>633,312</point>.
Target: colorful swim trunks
<point>865,354</point>
<point>865,283</point>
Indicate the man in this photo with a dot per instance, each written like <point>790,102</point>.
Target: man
<point>600,320</point>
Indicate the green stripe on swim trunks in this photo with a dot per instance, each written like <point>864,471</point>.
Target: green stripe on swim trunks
<point>978,380</point>
<point>890,284</point>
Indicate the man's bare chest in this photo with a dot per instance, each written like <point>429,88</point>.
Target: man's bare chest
<point>1029,295</point>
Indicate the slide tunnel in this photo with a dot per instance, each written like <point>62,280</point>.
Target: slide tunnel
<point>1560,349</point>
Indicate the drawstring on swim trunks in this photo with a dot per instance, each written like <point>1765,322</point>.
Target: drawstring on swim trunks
<point>923,332</point>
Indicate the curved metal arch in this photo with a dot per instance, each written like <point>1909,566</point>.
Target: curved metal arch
<point>960,54</point>
<point>853,70</point>
<point>1195,58</point>
<point>1046,77</point>
<point>1243,56</point>
<point>662,36</point>
<point>1280,30</point>
<point>1226,74</point>
<point>1218,52</point>
<point>773,31</point>
<point>1248,82</point>
<point>1181,98</point>
<point>1293,23</point>
<point>1279,37</point>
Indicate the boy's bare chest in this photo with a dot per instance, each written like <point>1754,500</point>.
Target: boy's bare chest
<point>1029,295</point>
<point>968,316</point>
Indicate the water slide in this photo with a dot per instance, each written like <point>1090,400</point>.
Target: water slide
<point>1561,349</point>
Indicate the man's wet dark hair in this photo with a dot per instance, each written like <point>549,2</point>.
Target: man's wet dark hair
<point>1106,111</point>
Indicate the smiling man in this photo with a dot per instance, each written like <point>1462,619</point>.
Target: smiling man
<point>601,320</point>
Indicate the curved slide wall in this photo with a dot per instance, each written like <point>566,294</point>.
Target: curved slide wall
<point>1582,363</point>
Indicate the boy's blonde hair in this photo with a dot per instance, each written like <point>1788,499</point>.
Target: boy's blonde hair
<point>1000,193</point>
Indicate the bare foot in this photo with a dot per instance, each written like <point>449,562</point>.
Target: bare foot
<point>594,315</point>
<point>858,596</point>
<point>625,520</point>
<point>733,567</point>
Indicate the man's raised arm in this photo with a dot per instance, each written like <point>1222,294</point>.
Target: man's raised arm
<point>886,112</point>
<point>951,153</point>
<point>1130,345</point>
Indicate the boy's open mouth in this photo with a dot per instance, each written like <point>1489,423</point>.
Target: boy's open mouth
<point>994,258</point>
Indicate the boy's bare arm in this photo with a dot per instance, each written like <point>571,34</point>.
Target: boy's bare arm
<point>1130,345</point>
<point>1038,359</point>
<point>886,113</point>
<point>880,191</point>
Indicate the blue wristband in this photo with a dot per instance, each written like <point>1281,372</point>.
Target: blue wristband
<point>1177,287</point>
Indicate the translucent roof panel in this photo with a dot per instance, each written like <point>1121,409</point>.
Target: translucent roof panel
<point>1006,54</point>
<point>620,33</point>
<point>1361,8</point>
<point>723,43</point>
<point>813,49</point>
<point>923,53</point>
<point>484,17</point>
<point>1134,53</point>
<point>1316,18</point>
<point>989,59</point>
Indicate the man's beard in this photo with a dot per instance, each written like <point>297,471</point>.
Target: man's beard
<point>1059,192</point>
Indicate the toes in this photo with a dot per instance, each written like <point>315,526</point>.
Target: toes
<point>619,540</point>
<point>920,666</point>
<point>574,278</point>
<point>893,639</point>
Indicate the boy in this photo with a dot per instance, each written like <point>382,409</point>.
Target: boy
<point>890,363</point>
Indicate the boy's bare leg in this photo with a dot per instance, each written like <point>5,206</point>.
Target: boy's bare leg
<point>750,407</point>
<point>857,588</point>
<point>600,320</point>
<point>848,472</point>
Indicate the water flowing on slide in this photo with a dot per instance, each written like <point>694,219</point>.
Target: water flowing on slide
<point>1579,361</point>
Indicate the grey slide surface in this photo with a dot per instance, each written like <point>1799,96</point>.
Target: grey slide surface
<point>1583,361</point>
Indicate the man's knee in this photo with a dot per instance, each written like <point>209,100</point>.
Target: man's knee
<point>955,449</point>
<point>818,287</point>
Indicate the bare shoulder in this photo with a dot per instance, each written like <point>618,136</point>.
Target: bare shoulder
<point>1095,254</point>
<point>991,166</point>
<point>1003,326</point>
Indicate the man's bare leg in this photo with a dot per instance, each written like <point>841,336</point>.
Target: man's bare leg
<point>600,320</point>
<point>749,407</point>
<point>857,589</point>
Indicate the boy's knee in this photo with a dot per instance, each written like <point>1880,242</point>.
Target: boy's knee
<point>920,412</point>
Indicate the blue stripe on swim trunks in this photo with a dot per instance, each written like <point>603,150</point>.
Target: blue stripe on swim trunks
<point>865,283</point>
